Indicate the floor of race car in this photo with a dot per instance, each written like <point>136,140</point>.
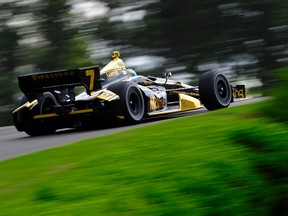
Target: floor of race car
<point>170,110</point>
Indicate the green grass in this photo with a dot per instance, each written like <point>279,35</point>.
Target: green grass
<point>226,162</point>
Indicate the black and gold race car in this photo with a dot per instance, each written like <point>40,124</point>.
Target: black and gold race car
<point>51,102</point>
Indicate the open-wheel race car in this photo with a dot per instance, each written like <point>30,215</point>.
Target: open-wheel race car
<point>51,101</point>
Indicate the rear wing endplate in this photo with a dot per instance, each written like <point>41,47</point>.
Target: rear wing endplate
<point>239,91</point>
<point>62,79</point>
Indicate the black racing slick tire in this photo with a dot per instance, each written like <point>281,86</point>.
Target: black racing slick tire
<point>215,91</point>
<point>42,126</point>
<point>131,104</point>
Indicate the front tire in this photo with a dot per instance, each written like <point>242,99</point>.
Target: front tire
<point>215,91</point>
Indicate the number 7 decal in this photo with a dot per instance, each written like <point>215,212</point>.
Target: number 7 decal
<point>91,74</point>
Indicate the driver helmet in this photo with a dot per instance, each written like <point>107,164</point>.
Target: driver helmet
<point>131,72</point>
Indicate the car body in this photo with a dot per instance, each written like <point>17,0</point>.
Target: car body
<point>51,101</point>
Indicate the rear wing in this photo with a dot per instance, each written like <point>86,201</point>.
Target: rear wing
<point>62,79</point>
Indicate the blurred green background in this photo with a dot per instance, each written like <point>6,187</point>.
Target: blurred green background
<point>247,40</point>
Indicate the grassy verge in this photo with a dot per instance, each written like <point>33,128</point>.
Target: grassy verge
<point>227,162</point>
<point>277,109</point>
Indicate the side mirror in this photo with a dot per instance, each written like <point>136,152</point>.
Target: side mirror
<point>166,76</point>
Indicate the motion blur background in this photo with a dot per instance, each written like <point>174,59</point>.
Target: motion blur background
<point>247,39</point>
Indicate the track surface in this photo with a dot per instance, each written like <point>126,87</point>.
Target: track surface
<point>14,143</point>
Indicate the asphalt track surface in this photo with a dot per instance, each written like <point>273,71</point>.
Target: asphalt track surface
<point>14,143</point>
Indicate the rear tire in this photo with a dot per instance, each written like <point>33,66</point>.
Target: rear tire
<point>215,91</point>
<point>20,118</point>
<point>42,126</point>
<point>131,104</point>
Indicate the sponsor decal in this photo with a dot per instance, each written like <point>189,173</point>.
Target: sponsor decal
<point>106,95</point>
<point>45,76</point>
<point>238,93</point>
<point>156,103</point>
<point>112,73</point>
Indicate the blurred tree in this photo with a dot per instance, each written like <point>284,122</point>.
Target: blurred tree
<point>8,61</point>
<point>40,35</point>
<point>183,32</point>
<point>189,31</point>
<point>62,48</point>
<point>258,28</point>
<point>193,31</point>
<point>265,26</point>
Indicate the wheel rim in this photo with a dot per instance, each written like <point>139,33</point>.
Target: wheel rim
<point>46,106</point>
<point>222,91</point>
<point>221,88</point>
<point>135,104</point>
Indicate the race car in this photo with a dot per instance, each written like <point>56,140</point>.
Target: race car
<point>51,100</point>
